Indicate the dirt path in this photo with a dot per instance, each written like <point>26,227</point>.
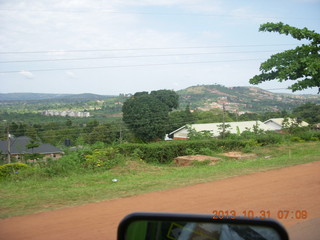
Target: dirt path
<point>293,188</point>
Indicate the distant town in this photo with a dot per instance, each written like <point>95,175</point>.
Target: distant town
<point>67,113</point>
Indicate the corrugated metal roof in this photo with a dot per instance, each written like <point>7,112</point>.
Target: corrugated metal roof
<point>279,121</point>
<point>19,146</point>
<point>232,127</point>
<point>216,128</point>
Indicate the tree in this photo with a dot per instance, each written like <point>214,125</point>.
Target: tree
<point>33,156</point>
<point>301,64</point>
<point>102,133</point>
<point>212,116</point>
<point>90,126</point>
<point>179,118</point>
<point>310,112</point>
<point>146,115</point>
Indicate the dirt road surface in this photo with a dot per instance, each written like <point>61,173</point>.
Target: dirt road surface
<point>293,188</point>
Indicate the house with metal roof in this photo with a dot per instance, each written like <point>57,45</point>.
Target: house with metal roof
<point>216,128</point>
<point>19,146</point>
<point>279,123</point>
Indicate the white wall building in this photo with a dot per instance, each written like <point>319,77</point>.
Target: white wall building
<point>215,128</point>
<point>277,123</point>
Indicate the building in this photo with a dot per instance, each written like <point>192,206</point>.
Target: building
<point>279,123</point>
<point>216,128</point>
<point>19,147</point>
<point>68,113</point>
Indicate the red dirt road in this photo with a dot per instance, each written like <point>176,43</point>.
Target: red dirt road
<point>293,188</point>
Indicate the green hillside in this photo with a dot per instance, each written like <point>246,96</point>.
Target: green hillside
<point>252,99</point>
<point>201,97</point>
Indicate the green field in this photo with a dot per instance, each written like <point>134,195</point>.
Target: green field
<point>32,195</point>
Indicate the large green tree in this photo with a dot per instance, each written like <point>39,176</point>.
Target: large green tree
<point>301,64</point>
<point>309,112</point>
<point>146,115</point>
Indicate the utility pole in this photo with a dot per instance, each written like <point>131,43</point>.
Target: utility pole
<point>120,138</point>
<point>9,145</point>
<point>224,121</point>
<point>237,115</point>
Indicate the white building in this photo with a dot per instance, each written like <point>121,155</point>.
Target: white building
<point>68,113</point>
<point>216,128</point>
<point>278,123</point>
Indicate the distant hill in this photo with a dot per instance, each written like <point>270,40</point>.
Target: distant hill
<point>48,96</point>
<point>240,99</point>
<point>201,97</point>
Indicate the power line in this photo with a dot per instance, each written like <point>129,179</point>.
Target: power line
<point>128,66</point>
<point>140,49</point>
<point>108,11</point>
<point>134,56</point>
<point>271,89</point>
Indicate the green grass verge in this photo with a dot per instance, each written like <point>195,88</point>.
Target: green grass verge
<point>136,177</point>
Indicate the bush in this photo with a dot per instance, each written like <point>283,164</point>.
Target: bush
<point>296,139</point>
<point>250,145</point>
<point>269,138</point>
<point>310,135</point>
<point>165,152</point>
<point>314,139</point>
<point>11,168</point>
<point>64,166</point>
<point>190,151</point>
<point>102,158</point>
<point>137,154</point>
<point>206,151</point>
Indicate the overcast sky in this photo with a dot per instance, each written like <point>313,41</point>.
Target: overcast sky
<point>125,46</point>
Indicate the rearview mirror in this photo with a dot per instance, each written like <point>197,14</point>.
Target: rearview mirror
<point>171,226</point>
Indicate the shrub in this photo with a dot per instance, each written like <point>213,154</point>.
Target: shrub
<point>310,135</point>
<point>269,138</point>
<point>65,165</point>
<point>206,151</point>
<point>11,168</point>
<point>137,153</point>
<point>314,139</point>
<point>164,152</point>
<point>296,139</point>
<point>102,158</point>
<point>190,151</point>
<point>250,145</point>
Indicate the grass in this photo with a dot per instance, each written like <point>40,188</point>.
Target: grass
<point>136,177</point>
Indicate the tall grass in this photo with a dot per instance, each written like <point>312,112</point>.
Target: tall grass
<point>39,193</point>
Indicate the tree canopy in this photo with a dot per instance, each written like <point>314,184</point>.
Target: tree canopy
<point>301,64</point>
<point>146,114</point>
<point>309,112</point>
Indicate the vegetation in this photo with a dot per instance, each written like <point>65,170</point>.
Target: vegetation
<point>301,64</point>
<point>309,112</point>
<point>102,149</point>
<point>102,157</point>
<point>68,182</point>
<point>147,114</point>
<point>238,99</point>
<point>10,169</point>
<point>61,130</point>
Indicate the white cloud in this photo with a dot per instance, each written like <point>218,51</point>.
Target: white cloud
<point>26,74</point>
<point>49,25</point>
<point>71,74</point>
<point>312,1</point>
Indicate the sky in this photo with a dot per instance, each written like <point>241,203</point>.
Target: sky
<point>125,46</point>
